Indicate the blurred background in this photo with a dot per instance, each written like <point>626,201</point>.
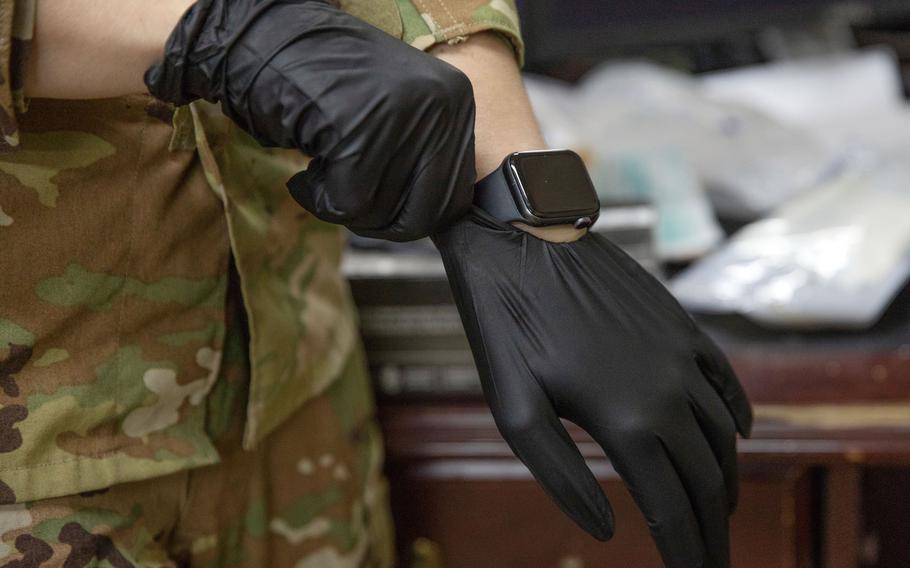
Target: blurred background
<point>756,157</point>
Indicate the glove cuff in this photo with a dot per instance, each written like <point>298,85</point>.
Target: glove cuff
<point>181,78</point>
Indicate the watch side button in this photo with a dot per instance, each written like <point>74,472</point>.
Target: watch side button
<point>583,223</point>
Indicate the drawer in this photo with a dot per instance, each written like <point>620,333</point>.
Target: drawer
<point>490,513</point>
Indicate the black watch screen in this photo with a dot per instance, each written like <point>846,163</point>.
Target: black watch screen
<point>554,183</point>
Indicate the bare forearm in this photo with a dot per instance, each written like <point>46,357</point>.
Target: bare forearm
<point>505,122</point>
<point>97,48</point>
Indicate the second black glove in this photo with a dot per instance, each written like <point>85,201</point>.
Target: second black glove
<point>390,128</point>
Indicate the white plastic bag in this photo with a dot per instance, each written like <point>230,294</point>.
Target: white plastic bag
<point>832,258</point>
<point>815,90</point>
<point>624,167</point>
<point>749,162</point>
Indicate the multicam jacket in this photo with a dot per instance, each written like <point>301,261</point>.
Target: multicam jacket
<point>118,221</point>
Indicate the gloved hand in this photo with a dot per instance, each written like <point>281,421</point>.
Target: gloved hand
<point>391,129</point>
<point>579,330</point>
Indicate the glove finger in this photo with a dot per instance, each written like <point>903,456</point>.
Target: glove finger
<point>306,187</point>
<point>435,197</point>
<point>704,483</point>
<point>439,194</point>
<point>326,190</point>
<point>642,461</point>
<point>720,431</point>
<point>717,369</point>
<point>532,429</point>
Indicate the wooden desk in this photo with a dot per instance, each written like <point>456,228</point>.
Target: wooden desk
<point>832,420</point>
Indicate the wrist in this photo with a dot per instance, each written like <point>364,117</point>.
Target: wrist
<point>553,233</point>
<point>505,122</point>
<point>546,193</point>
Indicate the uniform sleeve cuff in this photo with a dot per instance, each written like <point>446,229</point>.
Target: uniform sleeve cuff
<point>426,23</point>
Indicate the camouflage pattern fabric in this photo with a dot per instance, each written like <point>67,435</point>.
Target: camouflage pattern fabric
<point>318,504</point>
<point>115,255</point>
<point>430,22</point>
<point>118,220</point>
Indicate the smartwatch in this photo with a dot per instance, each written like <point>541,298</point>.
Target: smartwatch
<point>546,187</point>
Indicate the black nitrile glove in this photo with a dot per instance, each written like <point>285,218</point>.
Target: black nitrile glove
<point>391,129</point>
<point>579,330</point>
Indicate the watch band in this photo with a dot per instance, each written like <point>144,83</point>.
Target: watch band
<point>493,195</point>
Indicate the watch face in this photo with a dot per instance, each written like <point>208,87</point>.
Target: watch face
<point>555,183</point>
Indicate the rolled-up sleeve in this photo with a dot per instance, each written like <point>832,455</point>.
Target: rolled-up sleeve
<point>17,22</point>
<point>430,22</point>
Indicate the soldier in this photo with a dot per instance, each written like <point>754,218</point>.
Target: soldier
<point>179,371</point>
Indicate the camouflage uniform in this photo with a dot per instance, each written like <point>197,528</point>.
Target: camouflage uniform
<point>132,373</point>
